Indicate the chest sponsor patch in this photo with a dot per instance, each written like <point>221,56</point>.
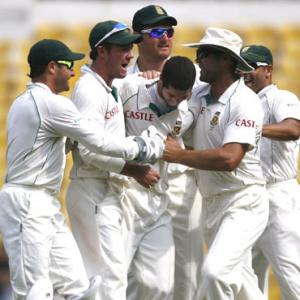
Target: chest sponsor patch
<point>245,123</point>
<point>138,115</point>
<point>110,113</point>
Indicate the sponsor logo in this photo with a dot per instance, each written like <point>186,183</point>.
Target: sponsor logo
<point>137,115</point>
<point>109,114</point>
<point>245,123</point>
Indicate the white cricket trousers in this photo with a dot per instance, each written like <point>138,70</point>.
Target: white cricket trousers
<point>39,244</point>
<point>98,226</point>
<point>232,222</point>
<point>150,249</point>
<point>280,242</point>
<point>185,208</point>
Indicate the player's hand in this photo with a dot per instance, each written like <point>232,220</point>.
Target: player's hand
<point>151,74</point>
<point>172,151</point>
<point>147,176</point>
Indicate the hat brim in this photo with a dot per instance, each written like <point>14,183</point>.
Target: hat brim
<point>124,38</point>
<point>242,63</point>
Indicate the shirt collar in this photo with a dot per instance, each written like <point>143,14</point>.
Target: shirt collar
<point>143,96</point>
<point>266,89</point>
<point>44,86</point>
<point>86,69</point>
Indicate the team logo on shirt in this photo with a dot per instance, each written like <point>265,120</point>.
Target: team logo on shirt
<point>177,128</point>
<point>215,119</point>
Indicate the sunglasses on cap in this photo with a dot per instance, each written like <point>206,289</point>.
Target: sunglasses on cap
<point>256,65</point>
<point>158,32</point>
<point>118,27</point>
<point>68,64</point>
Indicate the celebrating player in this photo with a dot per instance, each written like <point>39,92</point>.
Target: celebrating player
<point>280,242</point>
<point>225,139</point>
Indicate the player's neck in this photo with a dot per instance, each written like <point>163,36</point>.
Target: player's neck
<point>148,64</point>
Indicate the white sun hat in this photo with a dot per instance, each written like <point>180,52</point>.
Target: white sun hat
<point>226,41</point>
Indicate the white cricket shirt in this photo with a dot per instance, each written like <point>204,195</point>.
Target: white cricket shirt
<point>236,117</point>
<point>93,98</point>
<point>37,124</point>
<point>142,108</point>
<point>279,158</point>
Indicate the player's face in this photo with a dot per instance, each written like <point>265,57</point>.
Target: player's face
<point>173,96</point>
<point>158,43</point>
<point>209,61</point>
<point>63,72</point>
<point>117,59</point>
<point>259,78</point>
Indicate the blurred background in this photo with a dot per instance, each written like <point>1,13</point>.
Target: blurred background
<point>275,24</point>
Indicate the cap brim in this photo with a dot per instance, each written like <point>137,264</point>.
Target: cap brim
<point>75,56</point>
<point>124,39</point>
<point>242,64</point>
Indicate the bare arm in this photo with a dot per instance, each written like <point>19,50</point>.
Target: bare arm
<point>225,158</point>
<point>286,130</point>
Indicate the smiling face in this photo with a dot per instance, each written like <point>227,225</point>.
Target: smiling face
<point>259,78</point>
<point>156,48</point>
<point>209,61</point>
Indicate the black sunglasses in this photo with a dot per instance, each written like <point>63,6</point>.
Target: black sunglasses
<point>205,52</point>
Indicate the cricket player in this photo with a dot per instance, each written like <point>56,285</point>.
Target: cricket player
<point>280,243</point>
<point>40,247</point>
<point>158,28</point>
<point>95,211</point>
<point>150,243</point>
<point>226,154</point>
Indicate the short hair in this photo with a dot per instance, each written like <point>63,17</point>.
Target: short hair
<point>178,72</point>
<point>94,54</point>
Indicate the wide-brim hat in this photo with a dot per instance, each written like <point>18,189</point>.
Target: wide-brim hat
<point>151,15</point>
<point>112,32</point>
<point>225,41</point>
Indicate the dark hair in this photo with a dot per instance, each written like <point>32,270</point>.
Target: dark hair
<point>178,72</point>
<point>94,53</point>
<point>37,70</point>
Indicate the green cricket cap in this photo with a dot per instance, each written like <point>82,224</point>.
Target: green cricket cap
<point>112,32</point>
<point>46,50</point>
<point>257,54</point>
<point>150,15</point>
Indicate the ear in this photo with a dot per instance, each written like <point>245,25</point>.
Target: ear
<point>51,67</point>
<point>269,70</point>
<point>100,51</point>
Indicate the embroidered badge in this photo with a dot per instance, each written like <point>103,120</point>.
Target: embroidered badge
<point>215,119</point>
<point>177,128</point>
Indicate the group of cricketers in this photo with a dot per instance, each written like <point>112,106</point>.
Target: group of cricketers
<point>184,178</point>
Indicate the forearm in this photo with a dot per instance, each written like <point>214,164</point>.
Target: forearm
<point>283,131</point>
<point>211,160</point>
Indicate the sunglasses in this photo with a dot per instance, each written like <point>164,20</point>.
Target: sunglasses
<point>157,33</point>
<point>118,27</point>
<point>68,64</point>
<point>203,53</point>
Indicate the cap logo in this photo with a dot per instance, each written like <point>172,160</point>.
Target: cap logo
<point>245,49</point>
<point>159,10</point>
